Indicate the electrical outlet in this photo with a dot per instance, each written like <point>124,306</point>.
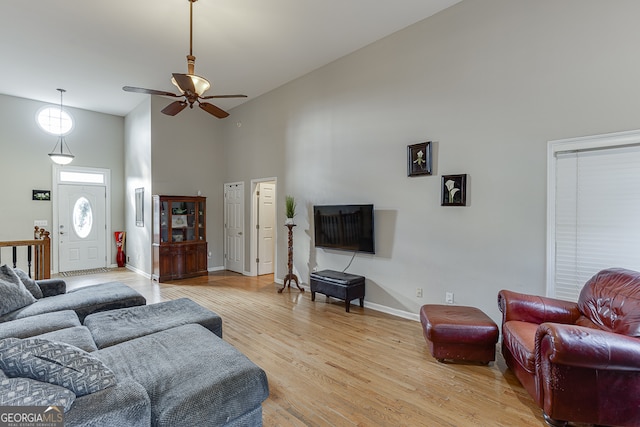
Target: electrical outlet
<point>40,223</point>
<point>448,297</point>
<point>419,292</point>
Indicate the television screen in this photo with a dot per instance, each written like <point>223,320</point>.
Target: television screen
<point>344,227</point>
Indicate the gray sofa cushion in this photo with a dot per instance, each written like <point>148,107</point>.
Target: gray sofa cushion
<point>124,405</point>
<point>115,326</point>
<point>13,294</point>
<point>77,336</point>
<point>39,324</point>
<point>29,283</point>
<point>28,392</point>
<point>193,377</point>
<point>56,363</point>
<point>83,301</point>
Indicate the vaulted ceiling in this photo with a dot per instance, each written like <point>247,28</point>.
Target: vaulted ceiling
<point>93,48</point>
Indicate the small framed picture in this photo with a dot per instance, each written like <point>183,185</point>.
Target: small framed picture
<point>419,159</point>
<point>42,195</point>
<point>454,190</point>
<point>178,221</point>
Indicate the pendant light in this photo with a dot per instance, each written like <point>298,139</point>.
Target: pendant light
<point>61,157</point>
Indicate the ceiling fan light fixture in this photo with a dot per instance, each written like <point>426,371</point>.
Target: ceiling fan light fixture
<point>200,84</point>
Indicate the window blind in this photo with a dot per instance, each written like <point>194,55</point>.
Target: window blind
<point>597,215</point>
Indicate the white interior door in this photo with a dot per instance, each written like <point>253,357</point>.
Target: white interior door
<point>266,224</point>
<point>81,227</point>
<point>234,227</point>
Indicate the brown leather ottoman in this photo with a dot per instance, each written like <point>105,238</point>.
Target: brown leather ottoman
<point>459,333</point>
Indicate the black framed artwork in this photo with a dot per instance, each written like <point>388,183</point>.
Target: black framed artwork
<point>41,195</point>
<point>454,190</point>
<point>419,159</point>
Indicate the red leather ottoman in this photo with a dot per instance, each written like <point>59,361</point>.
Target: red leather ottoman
<point>459,333</point>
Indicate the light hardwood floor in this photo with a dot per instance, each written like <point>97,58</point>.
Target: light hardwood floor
<point>327,367</point>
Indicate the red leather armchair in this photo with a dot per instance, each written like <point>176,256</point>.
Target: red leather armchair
<point>579,361</point>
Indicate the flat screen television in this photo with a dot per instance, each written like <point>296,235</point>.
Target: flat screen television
<point>344,227</point>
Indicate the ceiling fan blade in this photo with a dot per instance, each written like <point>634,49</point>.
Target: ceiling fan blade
<point>174,108</point>
<point>223,96</point>
<point>148,91</point>
<point>212,109</point>
<point>184,82</point>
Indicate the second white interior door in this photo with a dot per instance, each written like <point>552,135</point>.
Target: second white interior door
<point>234,227</point>
<point>266,224</point>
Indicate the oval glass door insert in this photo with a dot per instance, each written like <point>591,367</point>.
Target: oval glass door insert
<point>82,217</point>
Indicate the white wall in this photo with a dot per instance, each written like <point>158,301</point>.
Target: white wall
<point>489,83</point>
<point>97,141</point>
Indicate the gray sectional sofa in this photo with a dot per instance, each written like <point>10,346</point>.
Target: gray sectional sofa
<point>162,364</point>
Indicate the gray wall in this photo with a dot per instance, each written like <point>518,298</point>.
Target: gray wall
<point>186,158</point>
<point>489,83</point>
<point>138,175</point>
<point>97,141</point>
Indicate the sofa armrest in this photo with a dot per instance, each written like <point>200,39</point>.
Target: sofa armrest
<point>125,404</point>
<point>579,346</point>
<point>536,309</point>
<point>51,287</point>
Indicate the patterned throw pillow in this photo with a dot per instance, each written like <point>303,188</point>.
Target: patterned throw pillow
<point>55,363</point>
<point>13,294</point>
<point>29,283</point>
<point>28,392</point>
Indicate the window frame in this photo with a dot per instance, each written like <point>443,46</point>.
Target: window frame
<point>594,142</point>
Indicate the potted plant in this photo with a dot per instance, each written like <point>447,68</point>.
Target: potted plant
<point>290,209</point>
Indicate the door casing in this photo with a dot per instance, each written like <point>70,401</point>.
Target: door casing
<point>77,173</point>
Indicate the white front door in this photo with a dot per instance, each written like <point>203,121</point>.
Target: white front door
<point>266,224</point>
<point>81,227</point>
<point>234,227</point>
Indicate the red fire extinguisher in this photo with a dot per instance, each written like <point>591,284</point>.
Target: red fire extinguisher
<point>120,257</point>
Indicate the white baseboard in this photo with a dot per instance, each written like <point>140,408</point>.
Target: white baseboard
<point>138,271</point>
<point>373,306</point>
<point>393,311</point>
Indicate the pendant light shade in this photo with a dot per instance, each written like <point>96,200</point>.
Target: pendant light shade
<point>60,155</point>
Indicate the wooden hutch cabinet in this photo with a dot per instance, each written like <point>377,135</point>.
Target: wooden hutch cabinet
<point>179,237</point>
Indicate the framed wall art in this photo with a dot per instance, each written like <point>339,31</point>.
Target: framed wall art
<point>419,159</point>
<point>41,195</point>
<point>454,190</point>
<point>140,207</point>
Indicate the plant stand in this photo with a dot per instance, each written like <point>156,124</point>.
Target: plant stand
<point>290,276</point>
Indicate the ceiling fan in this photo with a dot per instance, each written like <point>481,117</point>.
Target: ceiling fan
<point>191,86</point>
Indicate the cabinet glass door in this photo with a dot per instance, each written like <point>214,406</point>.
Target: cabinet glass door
<point>200,220</point>
<point>164,222</point>
<point>182,220</point>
